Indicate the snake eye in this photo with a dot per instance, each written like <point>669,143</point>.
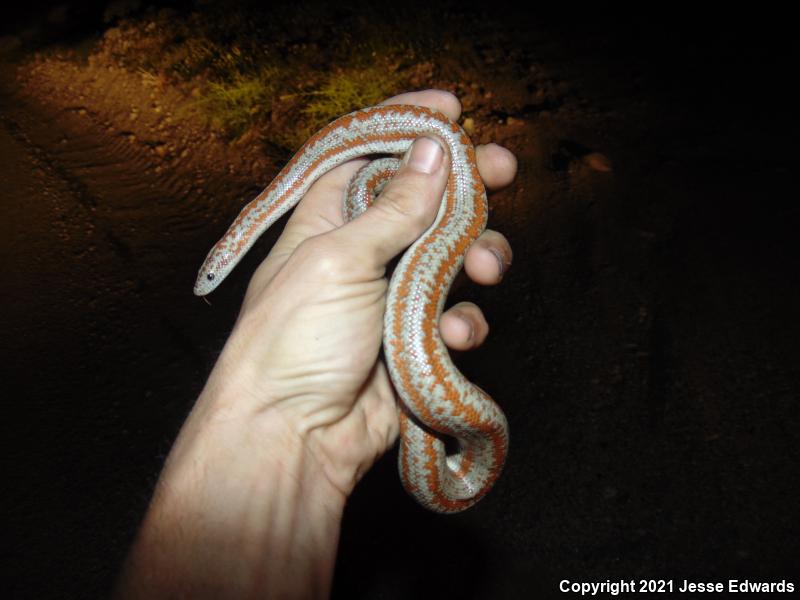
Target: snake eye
<point>210,277</point>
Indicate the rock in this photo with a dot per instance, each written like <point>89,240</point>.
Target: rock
<point>469,125</point>
<point>598,162</point>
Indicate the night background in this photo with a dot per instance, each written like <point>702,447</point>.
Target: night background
<point>644,345</point>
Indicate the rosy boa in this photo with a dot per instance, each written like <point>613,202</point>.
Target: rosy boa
<point>437,401</point>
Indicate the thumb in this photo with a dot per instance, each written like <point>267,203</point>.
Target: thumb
<point>405,208</point>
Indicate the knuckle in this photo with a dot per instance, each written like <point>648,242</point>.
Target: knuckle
<point>407,204</point>
<point>324,258</point>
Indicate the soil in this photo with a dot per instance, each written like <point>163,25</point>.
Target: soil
<point>643,344</point>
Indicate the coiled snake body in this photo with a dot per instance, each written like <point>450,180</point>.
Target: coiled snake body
<point>436,399</point>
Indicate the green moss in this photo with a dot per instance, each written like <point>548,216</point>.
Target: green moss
<point>238,101</point>
<point>236,105</point>
<point>339,93</point>
<point>348,90</point>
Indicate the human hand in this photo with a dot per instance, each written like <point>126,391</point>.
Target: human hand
<point>305,347</point>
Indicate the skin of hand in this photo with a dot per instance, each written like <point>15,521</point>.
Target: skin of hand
<point>299,405</point>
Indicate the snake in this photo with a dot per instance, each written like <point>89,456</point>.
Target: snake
<point>453,436</point>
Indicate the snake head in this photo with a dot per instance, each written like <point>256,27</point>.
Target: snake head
<point>213,271</point>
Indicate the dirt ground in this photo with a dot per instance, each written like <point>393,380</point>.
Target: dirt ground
<point>643,346</point>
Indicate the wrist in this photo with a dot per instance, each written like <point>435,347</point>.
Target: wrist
<point>236,441</point>
<point>290,411</point>
<point>240,510</point>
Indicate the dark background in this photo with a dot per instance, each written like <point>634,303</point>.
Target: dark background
<point>644,345</point>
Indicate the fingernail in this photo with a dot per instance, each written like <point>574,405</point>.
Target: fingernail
<point>501,261</point>
<point>459,315</point>
<point>425,155</point>
<point>471,331</point>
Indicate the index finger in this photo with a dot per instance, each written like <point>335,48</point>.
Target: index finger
<point>436,99</point>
